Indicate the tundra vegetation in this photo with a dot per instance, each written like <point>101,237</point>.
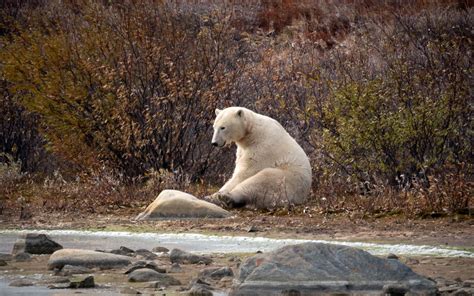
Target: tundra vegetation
<point>105,103</point>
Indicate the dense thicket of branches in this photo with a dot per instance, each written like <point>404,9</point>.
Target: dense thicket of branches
<point>379,93</point>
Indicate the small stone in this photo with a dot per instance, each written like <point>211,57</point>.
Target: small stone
<point>180,256</point>
<point>216,273</point>
<point>146,254</point>
<point>200,290</point>
<point>87,282</point>
<point>3,263</point>
<point>124,251</point>
<point>175,268</point>
<point>22,257</point>
<point>160,250</point>
<point>55,280</point>
<point>157,286</point>
<point>72,269</point>
<point>6,257</point>
<point>149,275</point>
<point>467,284</point>
<point>252,229</point>
<point>21,283</point>
<point>412,261</point>
<point>198,281</point>
<point>226,280</point>
<point>142,264</point>
<point>293,292</point>
<point>59,286</point>
<point>463,292</point>
<point>448,289</point>
<point>392,256</point>
<point>130,291</point>
<point>395,289</point>
<point>34,243</point>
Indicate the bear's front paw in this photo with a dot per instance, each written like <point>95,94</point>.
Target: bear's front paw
<point>221,199</point>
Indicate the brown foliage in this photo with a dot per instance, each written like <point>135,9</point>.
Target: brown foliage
<point>377,93</point>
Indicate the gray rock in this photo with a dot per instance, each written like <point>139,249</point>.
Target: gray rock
<point>216,273</point>
<point>463,292</point>
<point>313,268</point>
<point>142,264</point>
<point>180,256</point>
<point>149,275</point>
<point>6,257</point>
<point>35,243</point>
<point>73,269</point>
<point>252,228</point>
<point>392,256</point>
<point>200,290</point>
<point>160,250</point>
<point>448,289</point>
<point>22,257</point>
<point>395,289</point>
<point>87,282</point>
<point>175,268</point>
<point>156,285</point>
<point>21,283</point>
<point>124,251</point>
<point>86,258</point>
<point>54,280</point>
<point>146,254</point>
<point>177,204</point>
<point>129,291</point>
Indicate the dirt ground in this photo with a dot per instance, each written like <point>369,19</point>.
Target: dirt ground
<point>453,231</point>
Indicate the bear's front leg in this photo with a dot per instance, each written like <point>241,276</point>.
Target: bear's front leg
<point>224,200</point>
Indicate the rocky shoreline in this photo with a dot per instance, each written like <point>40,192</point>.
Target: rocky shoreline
<point>177,272</point>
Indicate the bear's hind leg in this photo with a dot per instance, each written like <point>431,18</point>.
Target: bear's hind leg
<point>266,189</point>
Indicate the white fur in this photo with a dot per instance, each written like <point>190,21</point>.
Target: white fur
<point>271,169</point>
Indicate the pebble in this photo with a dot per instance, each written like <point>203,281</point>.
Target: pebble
<point>160,250</point>
<point>392,256</point>
<point>21,283</point>
<point>22,257</point>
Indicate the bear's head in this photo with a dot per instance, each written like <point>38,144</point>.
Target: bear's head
<point>229,126</point>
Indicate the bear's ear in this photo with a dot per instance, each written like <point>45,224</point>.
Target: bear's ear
<point>218,111</point>
<point>240,113</point>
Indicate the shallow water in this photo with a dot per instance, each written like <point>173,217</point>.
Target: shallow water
<point>200,243</point>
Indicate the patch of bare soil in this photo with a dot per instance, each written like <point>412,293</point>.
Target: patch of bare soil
<point>455,231</point>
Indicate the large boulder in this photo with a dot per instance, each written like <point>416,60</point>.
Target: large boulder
<point>177,204</point>
<point>316,268</point>
<point>34,243</point>
<point>86,258</point>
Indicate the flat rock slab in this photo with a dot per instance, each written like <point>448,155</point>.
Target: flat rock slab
<point>180,256</point>
<point>316,268</point>
<point>150,275</point>
<point>86,258</point>
<point>177,204</point>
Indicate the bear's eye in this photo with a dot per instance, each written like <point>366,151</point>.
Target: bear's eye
<point>222,128</point>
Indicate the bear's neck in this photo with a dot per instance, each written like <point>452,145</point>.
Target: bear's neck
<point>250,139</point>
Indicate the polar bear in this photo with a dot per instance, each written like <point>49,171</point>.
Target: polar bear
<point>271,169</point>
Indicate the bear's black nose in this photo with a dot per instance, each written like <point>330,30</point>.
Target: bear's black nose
<point>214,144</point>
